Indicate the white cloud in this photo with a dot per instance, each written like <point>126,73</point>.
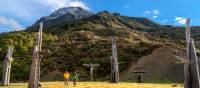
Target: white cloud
<point>28,11</point>
<point>55,4</point>
<point>153,13</point>
<point>28,8</point>
<point>15,24</point>
<point>10,23</point>
<point>163,21</point>
<point>180,20</point>
<point>126,6</point>
<point>147,12</point>
<point>155,16</point>
<point>3,21</point>
<point>78,4</point>
<point>16,8</point>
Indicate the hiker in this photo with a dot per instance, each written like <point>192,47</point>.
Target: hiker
<point>66,77</point>
<point>74,77</point>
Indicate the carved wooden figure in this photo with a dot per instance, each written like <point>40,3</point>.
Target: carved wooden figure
<point>114,62</point>
<point>34,76</point>
<point>191,70</point>
<point>7,67</point>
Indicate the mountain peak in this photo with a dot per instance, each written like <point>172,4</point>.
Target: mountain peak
<point>65,14</point>
<point>70,10</point>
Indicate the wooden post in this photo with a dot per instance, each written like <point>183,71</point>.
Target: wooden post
<point>114,62</point>
<point>139,78</point>
<point>7,67</point>
<point>194,69</point>
<point>186,66</point>
<point>36,59</point>
<point>191,70</point>
<point>40,50</point>
<point>139,71</point>
<point>92,67</point>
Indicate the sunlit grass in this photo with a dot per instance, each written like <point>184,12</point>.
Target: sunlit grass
<point>96,85</point>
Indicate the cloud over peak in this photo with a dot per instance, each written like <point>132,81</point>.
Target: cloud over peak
<point>78,4</point>
<point>55,4</point>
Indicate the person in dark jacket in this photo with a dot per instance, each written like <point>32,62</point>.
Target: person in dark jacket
<point>74,77</point>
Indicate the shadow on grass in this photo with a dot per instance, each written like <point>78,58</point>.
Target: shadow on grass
<point>153,82</point>
<point>18,84</point>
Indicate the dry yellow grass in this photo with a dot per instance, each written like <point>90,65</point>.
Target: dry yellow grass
<point>95,85</point>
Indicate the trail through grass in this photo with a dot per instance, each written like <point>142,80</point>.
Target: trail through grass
<point>96,85</point>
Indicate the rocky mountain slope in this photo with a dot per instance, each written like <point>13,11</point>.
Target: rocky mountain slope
<point>140,42</point>
<point>65,14</point>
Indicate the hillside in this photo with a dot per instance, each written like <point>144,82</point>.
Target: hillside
<point>87,40</point>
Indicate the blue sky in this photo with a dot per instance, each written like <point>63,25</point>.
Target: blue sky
<point>18,14</point>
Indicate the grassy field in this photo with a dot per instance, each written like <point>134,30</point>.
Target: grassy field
<point>96,85</point>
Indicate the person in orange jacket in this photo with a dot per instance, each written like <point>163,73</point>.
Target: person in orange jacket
<point>66,77</point>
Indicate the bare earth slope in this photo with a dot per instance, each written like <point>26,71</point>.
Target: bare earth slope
<point>161,65</point>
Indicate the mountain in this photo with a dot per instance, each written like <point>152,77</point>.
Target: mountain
<point>140,43</point>
<point>61,15</point>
